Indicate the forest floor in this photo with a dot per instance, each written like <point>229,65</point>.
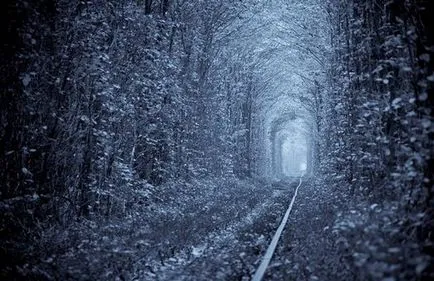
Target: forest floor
<point>219,229</point>
<point>209,229</point>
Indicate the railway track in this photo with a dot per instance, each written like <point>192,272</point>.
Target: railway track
<point>259,274</point>
<point>233,252</point>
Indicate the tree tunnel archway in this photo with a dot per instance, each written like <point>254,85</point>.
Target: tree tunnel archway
<point>287,64</point>
<point>290,145</point>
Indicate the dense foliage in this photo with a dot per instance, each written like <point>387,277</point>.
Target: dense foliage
<point>118,116</point>
<point>101,97</point>
<point>377,133</point>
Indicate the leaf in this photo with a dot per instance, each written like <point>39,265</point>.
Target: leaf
<point>426,123</point>
<point>425,57</point>
<point>26,80</point>
<point>423,96</point>
<point>396,101</point>
<point>421,267</point>
<point>26,172</point>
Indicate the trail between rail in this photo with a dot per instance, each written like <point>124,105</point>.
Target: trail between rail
<point>234,251</point>
<point>259,274</point>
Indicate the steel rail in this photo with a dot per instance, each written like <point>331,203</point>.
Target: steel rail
<point>259,274</point>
